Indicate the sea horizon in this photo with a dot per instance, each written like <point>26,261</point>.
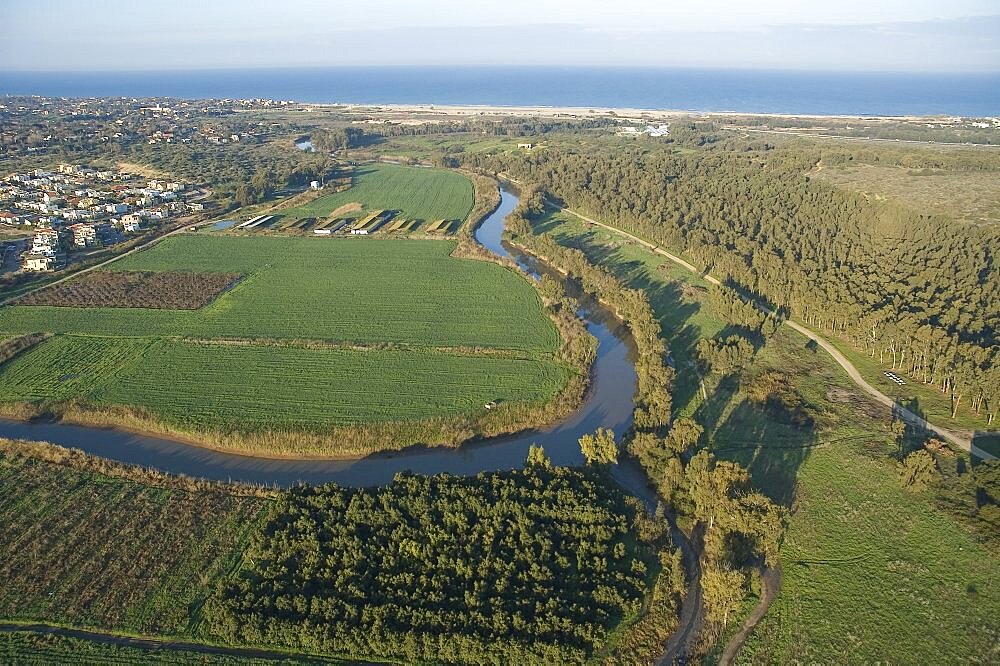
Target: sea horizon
<point>709,90</point>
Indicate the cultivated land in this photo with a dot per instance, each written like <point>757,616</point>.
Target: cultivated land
<point>121,551</point>
<point>92,549</point>
<point>317,334</point>
<point>367,292</point>
<point>922,586</point>
<point>257,387</point>
<point>422,194</point>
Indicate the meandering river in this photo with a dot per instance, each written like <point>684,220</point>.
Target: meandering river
<point>608,404</point>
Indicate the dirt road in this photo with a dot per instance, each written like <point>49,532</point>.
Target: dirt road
<point>960,441</point>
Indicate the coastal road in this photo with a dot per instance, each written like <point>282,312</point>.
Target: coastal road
<point>904,414</point>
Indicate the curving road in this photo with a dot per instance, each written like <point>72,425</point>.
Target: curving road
<point>916,420</point>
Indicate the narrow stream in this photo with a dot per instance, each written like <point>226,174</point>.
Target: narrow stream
<point>608,404</point>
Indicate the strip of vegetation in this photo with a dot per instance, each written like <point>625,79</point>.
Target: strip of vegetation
<point>27,648</point>
<point>631,305</point>
<point>171,290</point>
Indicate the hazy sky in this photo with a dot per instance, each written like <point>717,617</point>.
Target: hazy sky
<point>799,34</point>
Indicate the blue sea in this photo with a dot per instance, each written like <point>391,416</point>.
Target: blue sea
<point>754,91</point>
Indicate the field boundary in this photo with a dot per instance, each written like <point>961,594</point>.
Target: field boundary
<point>151,643</point>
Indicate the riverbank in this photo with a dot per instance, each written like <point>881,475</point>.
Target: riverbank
<point>608,403</point>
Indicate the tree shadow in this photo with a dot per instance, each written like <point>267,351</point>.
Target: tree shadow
<point>771,449</point>
<point>673,309</point>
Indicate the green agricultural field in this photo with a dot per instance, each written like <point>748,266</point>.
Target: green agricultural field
<point>423,194</point>
<point>259,387</point>
<point>344,290</point>
<point>319,333</point>
<point>93,550</point>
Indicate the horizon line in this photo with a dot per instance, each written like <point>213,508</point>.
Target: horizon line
<point>553,66</point>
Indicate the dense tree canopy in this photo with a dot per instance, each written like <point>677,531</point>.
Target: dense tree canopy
<point>921,291</point>
<point>530,566</point>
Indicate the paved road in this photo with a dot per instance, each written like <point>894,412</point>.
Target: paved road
<point>960,441</point>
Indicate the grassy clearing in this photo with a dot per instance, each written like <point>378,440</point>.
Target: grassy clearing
<point>969,196</point>
<point>390,291</point>
<point>92,550</point>
<point>423,194</point>
<point>871,573</point>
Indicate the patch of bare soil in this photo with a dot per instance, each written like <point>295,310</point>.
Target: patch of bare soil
<point>352,207</point>
<point>862,402</point>
<point>138,289</point>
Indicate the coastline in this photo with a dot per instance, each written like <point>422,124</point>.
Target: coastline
<point>623,113</point>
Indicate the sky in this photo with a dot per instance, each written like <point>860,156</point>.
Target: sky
<point>873,35</point>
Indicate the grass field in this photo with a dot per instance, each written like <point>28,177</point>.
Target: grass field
<point>969,196</point>
<point>94,550</point>
<point>872,574</point>
<point>260,387</point>
<point>390,291</point>
<point>423,194</point>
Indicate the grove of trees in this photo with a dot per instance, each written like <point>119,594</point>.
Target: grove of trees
<point>537,565</point>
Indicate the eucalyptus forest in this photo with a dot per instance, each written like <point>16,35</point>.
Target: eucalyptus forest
<point>917,290</point>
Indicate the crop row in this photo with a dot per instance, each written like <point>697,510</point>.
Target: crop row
<point>95,551</point>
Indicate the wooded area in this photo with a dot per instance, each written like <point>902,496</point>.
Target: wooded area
<point>920,292</point>
<point>531,566</point>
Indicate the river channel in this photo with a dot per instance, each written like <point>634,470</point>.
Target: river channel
<point>608,404</point>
